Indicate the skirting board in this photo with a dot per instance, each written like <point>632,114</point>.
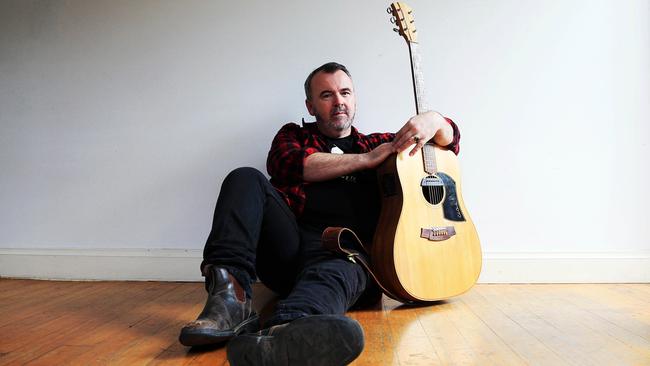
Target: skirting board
<point>183,265</point>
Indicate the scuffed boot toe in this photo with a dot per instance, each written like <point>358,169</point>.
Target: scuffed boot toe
<point>227,312</point>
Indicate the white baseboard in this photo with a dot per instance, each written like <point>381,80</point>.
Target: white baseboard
<point>183,265</point>
<point>565,267</point>
<point>102,264</point>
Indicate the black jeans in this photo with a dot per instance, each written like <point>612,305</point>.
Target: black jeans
<point>255,234</point>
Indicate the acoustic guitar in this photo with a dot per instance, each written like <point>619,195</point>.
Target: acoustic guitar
<point>425,247</point>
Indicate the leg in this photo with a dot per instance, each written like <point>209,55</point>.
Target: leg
<point>330,286</point>
<point>327,284</point>
<point>308,327</point>
<point>250,216</point>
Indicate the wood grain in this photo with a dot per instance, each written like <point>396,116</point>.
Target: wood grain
<point>125,323</point>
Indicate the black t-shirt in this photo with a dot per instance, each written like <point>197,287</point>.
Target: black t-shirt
<point>351,201</point>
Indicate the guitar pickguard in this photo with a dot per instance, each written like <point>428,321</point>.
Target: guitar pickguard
<point>450,206</point>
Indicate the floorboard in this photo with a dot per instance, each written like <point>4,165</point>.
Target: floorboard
<point>137,323</point>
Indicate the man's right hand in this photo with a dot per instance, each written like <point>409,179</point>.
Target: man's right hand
<point>379,154</point>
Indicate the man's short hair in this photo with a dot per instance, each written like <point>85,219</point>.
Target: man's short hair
<point>330,68</point>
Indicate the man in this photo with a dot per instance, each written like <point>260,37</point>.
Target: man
<point>322,174</point>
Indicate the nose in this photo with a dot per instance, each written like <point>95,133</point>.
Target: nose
<point>338,100</point>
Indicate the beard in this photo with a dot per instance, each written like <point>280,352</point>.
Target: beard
<point>336,122</point>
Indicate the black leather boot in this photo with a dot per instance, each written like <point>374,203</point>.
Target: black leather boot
<point>316,340</point>
<point>227,311</point>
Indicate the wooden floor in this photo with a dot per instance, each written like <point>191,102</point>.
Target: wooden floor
<point>124,323</point>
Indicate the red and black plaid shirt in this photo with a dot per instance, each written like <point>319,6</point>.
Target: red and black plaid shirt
<point>293,144</point>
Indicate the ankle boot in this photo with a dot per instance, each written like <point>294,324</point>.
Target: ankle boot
<point>316,340</point>
<point>227,311</point>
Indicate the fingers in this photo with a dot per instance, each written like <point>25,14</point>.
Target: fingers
<point>402,138</point>
<point>417,130</point>
<point>405,137</point>
<point>406,140</point>
<point>417,147</point>
<point>409,136</point>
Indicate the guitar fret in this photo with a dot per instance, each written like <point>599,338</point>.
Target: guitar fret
<point>428,152</point>
<point>418,79</point>
<point>429,157</point>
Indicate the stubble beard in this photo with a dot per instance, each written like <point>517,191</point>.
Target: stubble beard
<point>334,122</point>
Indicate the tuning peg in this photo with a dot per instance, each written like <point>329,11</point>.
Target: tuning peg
<point>395,30</point>
<point>393,20</point>
<point>388,10</point>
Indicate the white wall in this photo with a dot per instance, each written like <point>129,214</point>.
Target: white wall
<point>119,119</point>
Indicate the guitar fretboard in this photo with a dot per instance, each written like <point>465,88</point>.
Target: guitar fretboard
<point>429,157</point>
<point>428,152</point>
<point>418,79</point>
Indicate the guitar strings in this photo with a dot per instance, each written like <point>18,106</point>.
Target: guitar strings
<point>436,192</point>
<point>431,188</point>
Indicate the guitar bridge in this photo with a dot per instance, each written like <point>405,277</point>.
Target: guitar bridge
<point>439,233</point>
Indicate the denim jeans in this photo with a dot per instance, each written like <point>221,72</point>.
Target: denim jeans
<point>255,234</point>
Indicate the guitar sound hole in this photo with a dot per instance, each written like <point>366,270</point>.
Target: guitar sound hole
<point>433,189</point>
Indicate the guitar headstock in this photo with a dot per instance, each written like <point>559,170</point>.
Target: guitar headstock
<point>402,17</point>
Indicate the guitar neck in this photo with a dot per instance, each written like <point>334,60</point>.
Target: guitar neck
<point>418,79</point>
<point>428,152</point>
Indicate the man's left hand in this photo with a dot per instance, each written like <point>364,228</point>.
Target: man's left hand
<point>422,128</point>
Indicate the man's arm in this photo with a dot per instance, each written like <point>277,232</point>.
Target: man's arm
<point>286,157</point>
<point>325,166</point>
<point>289,161</point>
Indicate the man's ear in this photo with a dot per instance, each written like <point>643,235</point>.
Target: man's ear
<point>310,107</point>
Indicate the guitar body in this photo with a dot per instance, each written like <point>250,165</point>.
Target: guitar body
<point>414,267</point>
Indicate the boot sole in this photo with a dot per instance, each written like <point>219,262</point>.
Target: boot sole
<point>319,340</point>
<point>205,336</point>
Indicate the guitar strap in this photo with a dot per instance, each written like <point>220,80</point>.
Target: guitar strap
<point>331,240</point>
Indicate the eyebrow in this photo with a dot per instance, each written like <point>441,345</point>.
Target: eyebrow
<point>330,91</point>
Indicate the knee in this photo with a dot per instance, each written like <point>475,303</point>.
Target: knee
<point>350,276</point>
<point>243,175</point>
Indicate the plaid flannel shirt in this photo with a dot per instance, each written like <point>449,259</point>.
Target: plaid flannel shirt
<point>293,144</point>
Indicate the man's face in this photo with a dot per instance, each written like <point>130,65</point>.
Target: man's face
<point>332,103</point>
